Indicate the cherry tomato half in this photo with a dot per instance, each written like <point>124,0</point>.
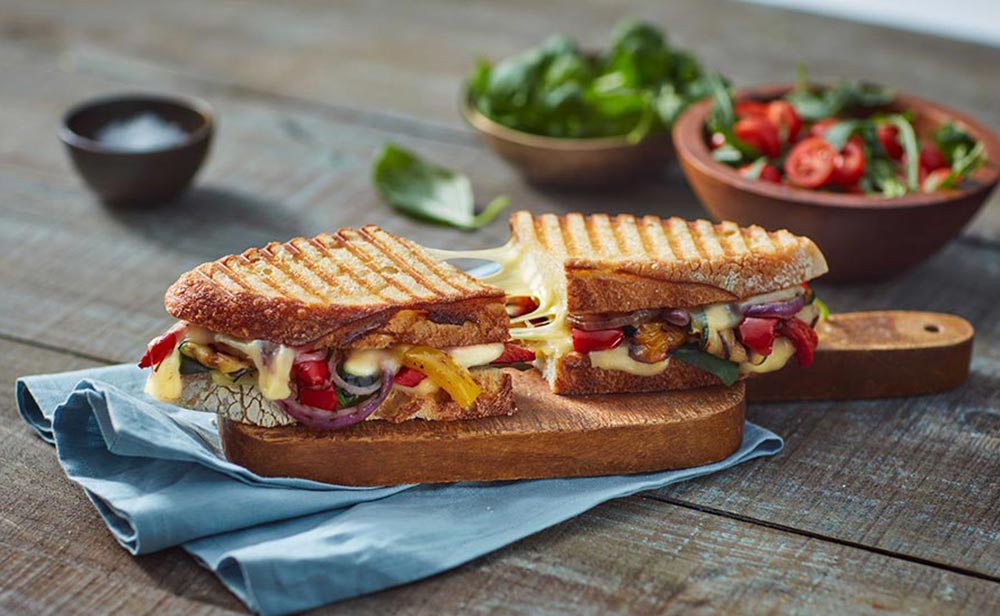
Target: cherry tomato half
<point>785,119</point>
<point>325,399</point>
<point>931,158</point>
<point>759,134</point>
<point>849,164</point>
<point>768,173</point>
<point>934,179</point>
<point>310,373</point>
<point>888,136</point>
<point>747,109</point>
<point>810,163</point>
<point>819,128</point>
<point>599,340</point>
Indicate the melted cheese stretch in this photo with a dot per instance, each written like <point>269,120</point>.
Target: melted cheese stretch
<point>520,275</point>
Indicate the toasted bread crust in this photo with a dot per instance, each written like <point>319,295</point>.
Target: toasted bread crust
<point>244,404</point>
<point>573,374</point>
<point>351,288</point>
<point>602,291</point>
<point>621,263</point>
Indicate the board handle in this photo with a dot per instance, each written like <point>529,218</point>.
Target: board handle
<point>876,355</point>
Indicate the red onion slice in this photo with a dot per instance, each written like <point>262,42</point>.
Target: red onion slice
<point>781,310</point>
<point>676,316</point>
<point>339,381</point>
<point>340,418</point>
<point>594,322</point>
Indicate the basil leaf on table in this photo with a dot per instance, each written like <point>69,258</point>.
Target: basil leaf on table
<point>424,190</point>
<point>727,371</point>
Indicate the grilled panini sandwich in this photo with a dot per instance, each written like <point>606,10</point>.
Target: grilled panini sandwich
<point>623,304</point>
<point>325,332</point>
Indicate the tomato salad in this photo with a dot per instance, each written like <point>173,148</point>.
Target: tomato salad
<point>843,138</point>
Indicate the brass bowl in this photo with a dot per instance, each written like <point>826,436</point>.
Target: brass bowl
<point>862,236</point>
<point>565,162</point>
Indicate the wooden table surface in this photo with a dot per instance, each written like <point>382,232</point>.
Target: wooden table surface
<point>875,506</point>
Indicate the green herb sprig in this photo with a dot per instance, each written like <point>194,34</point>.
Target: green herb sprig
<point>635,88</point>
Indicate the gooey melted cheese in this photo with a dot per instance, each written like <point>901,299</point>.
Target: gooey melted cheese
<point>781,352</point>
<point>619,359</point>
<point>520,275</point>
<point>164,382</point>
<point>274,365</point>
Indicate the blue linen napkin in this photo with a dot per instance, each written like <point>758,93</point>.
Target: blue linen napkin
<point>157,476</point>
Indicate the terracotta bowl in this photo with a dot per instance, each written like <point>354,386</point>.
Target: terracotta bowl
<point>122,176</point>
<point>863,237</point>
<point>554,161</point>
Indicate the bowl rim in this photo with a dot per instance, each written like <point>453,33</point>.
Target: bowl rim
<point>488,126</point>
<point>691,147</point>
<point>74,139</point>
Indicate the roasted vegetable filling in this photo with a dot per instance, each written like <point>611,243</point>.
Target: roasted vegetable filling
<point>321,387</point>
<point>758,334</point>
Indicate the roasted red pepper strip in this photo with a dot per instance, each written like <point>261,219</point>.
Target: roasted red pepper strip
<point>514,354</point>
<point>758,334</point>
<point>408,377</point>
<point>158,349</point>
<point>311,373</point>
<point>803,338</point>
<point>599,340</point>
<point>325,398</point>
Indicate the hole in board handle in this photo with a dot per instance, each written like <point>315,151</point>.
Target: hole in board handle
<point>930,327</point>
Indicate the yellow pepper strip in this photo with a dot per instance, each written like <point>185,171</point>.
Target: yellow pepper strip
<point>442,370</point>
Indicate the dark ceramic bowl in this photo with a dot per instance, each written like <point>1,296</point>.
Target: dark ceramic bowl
<point>149,175</point>
<point>862,236</point>
<point>555,161</point>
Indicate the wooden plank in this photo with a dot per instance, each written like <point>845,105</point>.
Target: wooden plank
<point>635,555</point>
<point>350,60</point>
<point>875,355</point>
<point>549,436</point>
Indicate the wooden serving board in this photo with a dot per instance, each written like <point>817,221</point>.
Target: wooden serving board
<point>549,436</point>
<point>876,355</point>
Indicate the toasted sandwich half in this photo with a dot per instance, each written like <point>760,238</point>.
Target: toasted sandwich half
<point>624,304</point>
<point>325,332</point>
